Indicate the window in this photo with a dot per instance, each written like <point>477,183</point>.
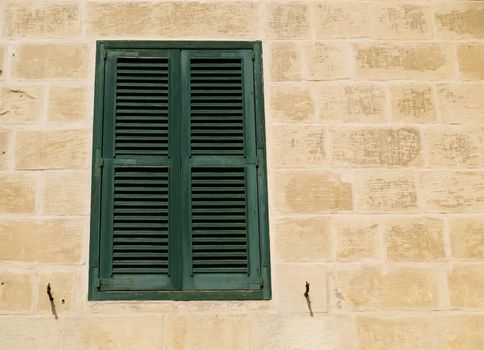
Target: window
<point>179,194</point>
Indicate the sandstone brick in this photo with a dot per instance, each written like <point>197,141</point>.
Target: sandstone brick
<point>325,61</point>
<point>4,139</point>
<point>455,146</point>
<point>298,332</point>
<point>460,332</point>
<point>461,103</point>
<point>17,194</point>
<point>453,191</point>
<point>385,333</point>
<point>20,103</point>
<point>286,61</point>
<point>292,103</point>
<point>466,286</point>
<point>120,332</point>
<point>62,289</point>
<point>470,61</point>
<point>186,332</point>
<point>68,104</point>
<point>56,149</point>
<point>341,20</point>
<point>291,280</point>
<point>311,192</point>
<point>66,193</point>
<point>52,61</point>
<point>173,19</point>
<point>417,61</point>
<point>415,239</point>
<point>44,241</point>
<point>401,21</point>
<point>366,288</point>
<point>15,291</point>
<point>389,147</point>
<point>32,19</point>
<point>352,103</point>
<point>467,238</point>
<point>460,20</point>
<point>413,103</point>
<point>303,240</point>
<point>357,239</point>
<point>297,146</point>
<point>386,191</point>
<point>288,20</point>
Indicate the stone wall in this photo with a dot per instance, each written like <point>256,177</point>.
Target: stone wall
<point>375,136</point>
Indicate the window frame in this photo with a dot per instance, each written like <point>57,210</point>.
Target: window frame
<point>94,293</point>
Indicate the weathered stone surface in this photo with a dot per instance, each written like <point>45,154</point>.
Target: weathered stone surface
<point>357,239</point>
<point>15,292</point>
<point>413,103</point>
<point>341,20</point>
<point>391,333</point>
<point>20,103</point>
<point>460,332</point>
<point>311,192</point>
<point>47,19</point>
<point>20,333</point>
<point>68,104</point>
<point>292,103</point>
<point>287,20</point>
<point>363,103</point>
<point>327,61</point>
<point>386,191</point>
<point>303,240</point>
<point>453,191</point>
<point>297,146</point>
<point>4,140</point>
<point>416,61</point>
<point>460,20</point>
<point>415,239</point>
<point>44,241</point>
<point>373,288</point>
<point>466,286</point>
<point>2,55</point>
<point>389,147</point>
<point>56,149</point>
<point>461,103</point>
<point>286,61</point>
<point>62,289</point>
<point>17,194</point>
<point>471,61</point>
<point>467,238</point>
<point>52,61</point>
<point>395,21</point>
<point>66,193</point>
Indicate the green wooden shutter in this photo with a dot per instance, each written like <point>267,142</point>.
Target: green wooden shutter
<point>139,171</point>
<point>219,166</point>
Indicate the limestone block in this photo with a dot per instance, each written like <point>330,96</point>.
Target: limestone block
<point>56,149</point>
<point>47,19</point>
<point>311,192</point>
<point>68,104</point>
<point>416,61</point>
<point>419,239</point>
<point>327,61</point>
<point>20,333</point>
<point>4,140</point>
<point>361,102</point>
<point>460,332</point>
<point>66,193</point>
<point>52,61</point>
<point>403,22</point>
<point>292,103</point>
<point>15,291</point>
<point>290,282</point>
<point>2,54</point>
<point>357,239</point>
<point>366,287</point>
<point>460,20</point>
<point>297,146</point>
<point>17,194</point>
<point>471,61</point>
<point>461,103</point>
<point>341,20</point>
<point>303,240</point>
<point>287,20</point>
<point>44,241</point>
<point>413,103</point>
<point>20,103</point>
<point>286,61</point>
<point>367,147</point>
<point>467,238</point>
<point>466,286</point>
<point>453,192</point>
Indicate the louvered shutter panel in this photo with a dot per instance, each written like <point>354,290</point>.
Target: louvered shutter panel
<point>220,169</point>
<point>138,171</point>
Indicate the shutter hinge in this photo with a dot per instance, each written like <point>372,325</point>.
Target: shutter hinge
<point>261,282</point>
<point>253,56</point>
<point>98,283</point>
<point>101,162</point>
<point>105,54</point>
